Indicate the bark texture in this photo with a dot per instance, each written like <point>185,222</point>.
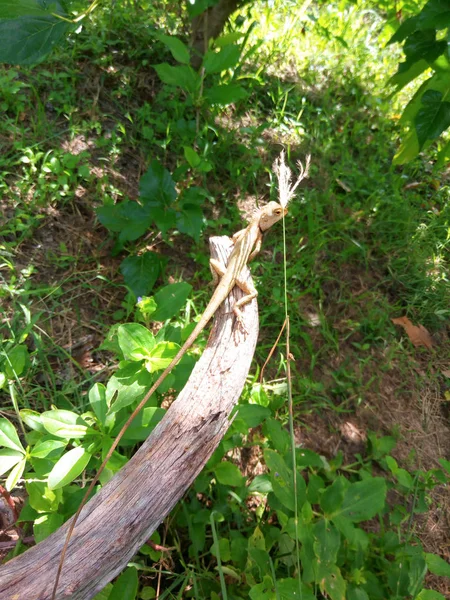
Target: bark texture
<point>118,520</point>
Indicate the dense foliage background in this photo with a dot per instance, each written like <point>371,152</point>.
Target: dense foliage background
<point>121,152</point>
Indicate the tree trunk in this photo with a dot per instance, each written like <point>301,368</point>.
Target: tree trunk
<point>118,520</point>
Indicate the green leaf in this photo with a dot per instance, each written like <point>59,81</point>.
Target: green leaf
<point>224,94</point>
<point>228,474</point>
<point>225,58</point>
<point>178,49</point>
<point>48,449</point>
<point>333,497</point>
<point>129,219</point>
<point>126,586</point>
<point>354,593</point>
<point>422,45</point>
<point>445,464</point>
<point>290,589</point>
<point>282,480</point>
<point>430,595</point>
<point>17,361</point>
<point>135,341</point>
<point>64,424</point>
<point>327,541</point>
<point>44,525</point>
<point>181,76</point>
<point>160,356</point>
<point>2,380</point>
<point>364,499</point>
<point>9,437</point>
<point>41,497</point>
<point>170,299</point>
<point>434,15</point>
<point>141,272</point>
<point>131,383</point>
<point>253,414</point>
<point>260,484</point>
<point>8,459</point>
<point>223,549</point>
<point>437,565</point>
<point>97,399</point>
<point>192,157</point>
<point>32,419</point>
<point>29,30</point>
<point>277,435</point>
<point>407,72</point>
<point>433,118</point>
<point>143,424</point>
<point>308,458</point>
<point>331,581</point>
<point>189,218</point>
<point>408,27</point>
<point>68,467</point>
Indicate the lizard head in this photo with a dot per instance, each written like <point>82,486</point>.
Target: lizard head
<point>270,214</point>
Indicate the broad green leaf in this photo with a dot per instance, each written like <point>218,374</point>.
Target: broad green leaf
<point>333,496</point>
<point>135,341</point>
<point>129,219</point>
<point>225,58</point>
<point>282,480</point>
<point>8,459</point>
<point>357,538</point>
<point>17,360</point>
<point>433,118</point>
<point>97,399</point>
<point>354,593</point>
<point>181,76</point>
<point>224,94</point>
<point>126,586</point>
<point>292,589</point>
<point>9,437</point>
<point>278,437</point>
<point>160,356</point>
<point>331,582</point>
<point>156,186</point>
<point>170,299</point>
<point>141,272</point>
<point>327,541</point>
<point>104,594</point>
<point>308,458</point>
<point>416,572</point>
<point>192,157</point>
<point>196,7</point>
<point>48,449</point>
<point>178,49</point>
<point>68,467</point>
<point>423,45</point>
<point>445,464</point>
<point>430,595</point>
<point>434,15</point>
<point>29,30</point>
<point>408,150</point>
<point>46,524</point>
<point>253,414</point>
<point>223,550</point>
<point>260,484</point>
<point>437,565</point>
<point>64,424</point>
<point>228,474</point>
<point>364,499</point>
<point>131,383</point>
<point>32,419</point>
<point>41,497</point>
<point>408,27</point>
<point>264,590</point>
<point>407,72</point>
<point>189,218</point>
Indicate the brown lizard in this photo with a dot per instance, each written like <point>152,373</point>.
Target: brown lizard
<point>247,243</point>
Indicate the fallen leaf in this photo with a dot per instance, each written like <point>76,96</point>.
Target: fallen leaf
<point>446,373</point>
<point>418,334</point>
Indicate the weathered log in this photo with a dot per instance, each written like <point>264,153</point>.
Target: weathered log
<point>121,517</point>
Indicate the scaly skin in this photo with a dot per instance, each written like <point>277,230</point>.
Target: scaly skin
<point>247,244</point>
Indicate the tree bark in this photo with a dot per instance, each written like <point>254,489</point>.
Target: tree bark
<point>121,517</point>
<point>210,24</point>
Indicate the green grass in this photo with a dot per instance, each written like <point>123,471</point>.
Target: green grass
<point>366,242</point>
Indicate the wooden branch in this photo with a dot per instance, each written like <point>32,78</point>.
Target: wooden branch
<point>121,517</point>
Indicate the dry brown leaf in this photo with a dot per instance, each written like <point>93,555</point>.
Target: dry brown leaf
<point>446,373</point>
<point>418,334</point>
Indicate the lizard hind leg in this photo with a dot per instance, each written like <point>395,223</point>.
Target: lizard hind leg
<point>250,293</point>
<point>217,270</point>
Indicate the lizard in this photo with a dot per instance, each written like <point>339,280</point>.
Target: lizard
<point>247,244</point>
